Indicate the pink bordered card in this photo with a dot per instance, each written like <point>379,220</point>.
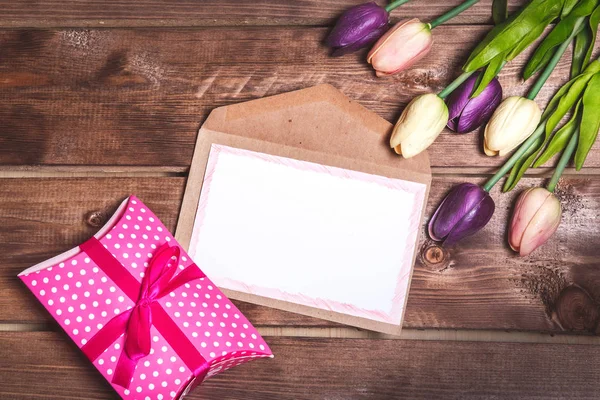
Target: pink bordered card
<point>317,217</point>
<point>148,318</point>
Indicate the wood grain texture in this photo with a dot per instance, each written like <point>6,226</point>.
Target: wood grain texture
<point>78,103</point>
<point>96,13</point>
<point>479,284</point>
<point>137,97</point>
<point>45,365</point>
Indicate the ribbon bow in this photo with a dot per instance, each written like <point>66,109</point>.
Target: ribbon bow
<point>159,280</point>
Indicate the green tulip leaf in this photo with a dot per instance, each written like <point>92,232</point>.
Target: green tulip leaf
<point>499,11</point>
<point>561,32</point>
<point>561,138</point>
<point>591,69</point>
<point>568,7</point>
<point>491,71</point>
<point>474,62</point>
<point>526,41</point>
<point>593,25</point>
<point>582,43</point>
<point>551,107</point>
<point>590,120</point>
<point>583,8</point>
<point>567,101</point>
<point>511,34</point>
<point>522,165</point>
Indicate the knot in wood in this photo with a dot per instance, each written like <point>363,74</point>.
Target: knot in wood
<point>576,310</point>
<point>434,256</point>
<point>96,219</point>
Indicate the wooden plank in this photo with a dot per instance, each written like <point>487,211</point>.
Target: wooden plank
<point>94,13</point>
<point>45,365</point>
<point>346,332</point>
<point>100,171</point>
<point>138,97</point>
<point>479,284</point>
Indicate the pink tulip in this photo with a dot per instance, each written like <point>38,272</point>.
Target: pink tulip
<point>536,217</point>
<point>401,47</point>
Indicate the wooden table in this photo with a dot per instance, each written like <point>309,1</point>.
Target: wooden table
<point>103,99</point>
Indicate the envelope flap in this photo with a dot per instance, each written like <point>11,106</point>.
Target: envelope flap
<point>318,119</point>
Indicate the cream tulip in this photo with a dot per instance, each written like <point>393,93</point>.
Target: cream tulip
<point>511,124</point>
<point>419,125</point>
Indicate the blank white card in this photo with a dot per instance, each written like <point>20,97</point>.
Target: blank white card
<point>305,233</point>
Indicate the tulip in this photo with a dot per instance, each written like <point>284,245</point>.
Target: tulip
<point>401,47</point>
<point>511,124</point>
<point>407,42</point>
<point>419,125</point>
<point>466,113</point>
<point>464,211</point>
<point>358,27</point>
<point>535,218</point>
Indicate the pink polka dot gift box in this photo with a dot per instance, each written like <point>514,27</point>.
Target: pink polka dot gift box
<point>139,308</point>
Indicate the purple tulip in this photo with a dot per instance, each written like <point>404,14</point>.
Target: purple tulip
<point>360,26</point>
<point>464,211</point>
<point>467,114</point>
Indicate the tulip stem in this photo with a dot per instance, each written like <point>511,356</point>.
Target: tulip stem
<point>564,160</point>
<point>452,13</point>
<point>541,80</point>
<point>515,157</point>
<point>456,83</point>
<point>395,4</point>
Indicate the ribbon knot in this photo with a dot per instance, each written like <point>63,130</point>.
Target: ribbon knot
<point>144,302</point>
<point>159,280</point>
<point>155,284</point>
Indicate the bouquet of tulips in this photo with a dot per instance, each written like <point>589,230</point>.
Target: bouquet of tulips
<point>537,214</point>
<point>475,98</point>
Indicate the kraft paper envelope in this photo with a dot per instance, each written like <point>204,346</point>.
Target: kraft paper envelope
<point>297,202</point>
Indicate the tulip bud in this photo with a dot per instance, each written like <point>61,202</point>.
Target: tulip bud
<point>466,113</point>
<point>536,217</point>
<point>464,211</point>
<point>511,124</point>
<point>401,47</point>
<point>360,26</point>
<point>419,125</point>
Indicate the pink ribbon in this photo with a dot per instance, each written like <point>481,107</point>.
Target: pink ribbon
<point>159,280</point>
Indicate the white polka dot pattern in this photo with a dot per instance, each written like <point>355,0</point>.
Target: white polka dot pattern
<point>82,299</point>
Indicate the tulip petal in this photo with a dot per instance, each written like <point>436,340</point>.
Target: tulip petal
<point>414,145</point>
<point>494,131</point>
<point>459,202</point>
<point>511,124</point>
<point>458,100</point>
<point>480,109</point>
<point>433,220</point>
<point>358,27</point>
<point>452,124</point>
<point>473,221</point>
<point>487,151</point>
<point>542,226</point>
<point>420,124</point>
<point>365,41</point>
<point>519,221</point>
<point>401,47</point>
<point>382,40</point>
